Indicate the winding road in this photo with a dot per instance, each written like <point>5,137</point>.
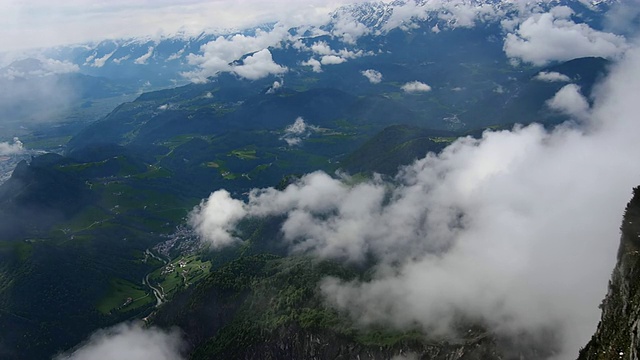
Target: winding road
<point>157,292</point>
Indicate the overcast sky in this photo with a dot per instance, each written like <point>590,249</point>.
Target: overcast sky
<point>41,23</point>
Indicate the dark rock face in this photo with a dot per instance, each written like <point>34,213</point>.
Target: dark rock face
<point>294,342</point>
<point>617,334</point>
<point>291,342</point>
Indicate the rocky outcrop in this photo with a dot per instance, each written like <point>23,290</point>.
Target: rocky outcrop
<point>617,336</point>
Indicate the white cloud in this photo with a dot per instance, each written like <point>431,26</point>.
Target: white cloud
<point>274,88</point>
<point>295,133</point>
<point>40,67</point>
<point>374,77</point>
<point>99,62</point>
<point>415,86</point>
<point>552,76</point>
<point>316,66</point>
<point>16,147</point>
<point>451,13</point>
<point>321,48</point>
<point>570,101</point>
<point>144,58</point>
<point>347,54</point>
<point>553,36</point>
<point>176,55</point>
<point>129,342</point>
<point>52,66</point>
<point>216,217</point>
<point>348,29</point>
<point>517,229</point>
<point>330,56</point>
<point>466,15</point>
<point>623,17</point>
<point>331,60</point>
<point>216,56</point>
<point>292,141</point>
<point>258,66</point>
<point>121,59</point>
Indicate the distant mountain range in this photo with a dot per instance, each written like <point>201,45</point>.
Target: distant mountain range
<point>167,60</point>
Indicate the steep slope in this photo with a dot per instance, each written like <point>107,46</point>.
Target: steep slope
<point>269,307</point>
<point>617,334</point>
<point>395,146</point>
<point>39,195</point>
<point>524,101</point>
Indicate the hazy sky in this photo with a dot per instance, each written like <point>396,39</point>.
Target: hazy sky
<point>40,23</point>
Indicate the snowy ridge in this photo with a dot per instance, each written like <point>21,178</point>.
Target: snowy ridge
<point>187,55</point>
<point>383,16</point>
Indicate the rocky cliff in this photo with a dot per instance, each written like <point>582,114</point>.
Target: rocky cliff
<point>617,333</point>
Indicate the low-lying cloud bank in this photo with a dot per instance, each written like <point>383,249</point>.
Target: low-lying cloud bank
<point>129,341</point>
<point>517,229</point>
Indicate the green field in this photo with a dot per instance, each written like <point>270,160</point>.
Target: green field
<point>180,273</point>
<point>120,290</point>
<point>244,154</point>
<point>443,139</point>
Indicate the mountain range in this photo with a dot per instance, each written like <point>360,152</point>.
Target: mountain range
<point>291,191</point>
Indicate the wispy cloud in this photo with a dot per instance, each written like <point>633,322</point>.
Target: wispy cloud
<point>37,67</point>
<point>121,59</point>
<point>551,76</point>
<point>275,87</point>
<point>144,58</point>
<point>100,61</point>
<point>295,133</point>
<point>37,94</point>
